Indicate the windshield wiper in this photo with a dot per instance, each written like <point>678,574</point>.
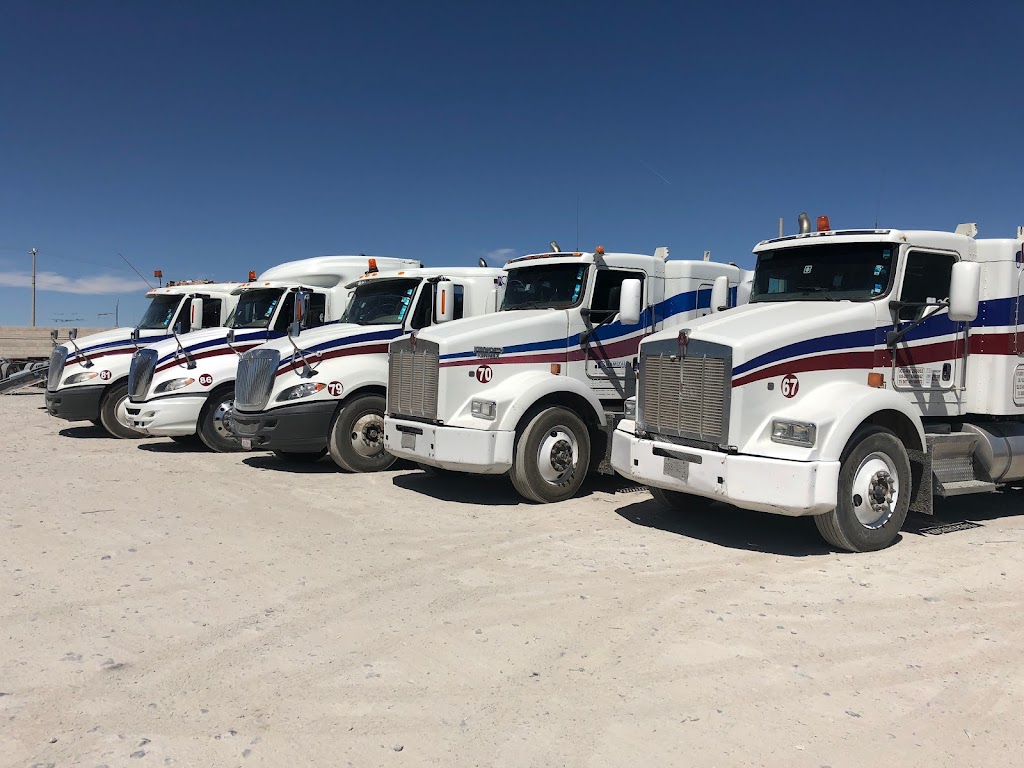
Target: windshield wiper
<point>819,289</point>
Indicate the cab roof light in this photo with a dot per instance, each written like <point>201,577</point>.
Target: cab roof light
<point>372,267</point>
<point>599,250</point>
<point>823,225</point>
<point>252,275</point>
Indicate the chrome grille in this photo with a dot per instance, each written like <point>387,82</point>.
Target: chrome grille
<point>57,359</point>
<point>140,375</point>
<point>412,379</point>
<point>685,396</point>
<point>255,378</point>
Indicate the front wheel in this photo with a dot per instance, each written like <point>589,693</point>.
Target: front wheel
<point>113,413</point>
<point>552,456</point>
<point>213,422</point>
<point>874,493</point>
<point>356,441</point>
<point>301,457</point>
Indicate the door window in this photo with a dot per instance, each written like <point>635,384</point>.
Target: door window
<point>607,289</point>
<point>421,317</point>
<point>317,310</point>
<point>211,312</point>
<point>925,279</point>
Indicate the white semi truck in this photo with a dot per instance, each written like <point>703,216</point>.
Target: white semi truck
<point>88,377</point>
<point>535,389</point>
<point>181,390</point>
<point>872,371</point>
<point>325,391</point>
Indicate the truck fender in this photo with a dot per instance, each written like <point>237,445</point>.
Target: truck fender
<point>839,408</point>
<point>530,388</point>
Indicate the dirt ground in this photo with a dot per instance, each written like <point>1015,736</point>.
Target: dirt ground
<point>162,605</point>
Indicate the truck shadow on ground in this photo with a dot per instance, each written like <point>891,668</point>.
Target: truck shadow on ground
<point>173,446</point>
<point>731,527</point>
<point>85,432</point>
<point>491,490</point>
<point>270,461</point>
<point>1008,502</point>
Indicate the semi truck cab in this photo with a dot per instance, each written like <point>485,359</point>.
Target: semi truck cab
<point>535,388</point>
<point>872,371</point>
<point>88,377</point>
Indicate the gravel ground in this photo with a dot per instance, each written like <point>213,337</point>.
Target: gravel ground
<point>167,606</point>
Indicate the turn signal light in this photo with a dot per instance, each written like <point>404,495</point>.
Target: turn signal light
<point>876,379</point>
<point>823,225</point>
<point>556,368</point>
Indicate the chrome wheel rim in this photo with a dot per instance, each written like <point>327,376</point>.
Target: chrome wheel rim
<point>558,455</point>
<point>876,490</point>
<point>121,414</point>
<point>221,418</point>
<point>367,435</point>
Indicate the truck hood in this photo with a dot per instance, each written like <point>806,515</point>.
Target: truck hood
<point>328,337</point>
<point>116,341</point>
<point>773,333</point>
<point>515,331</point>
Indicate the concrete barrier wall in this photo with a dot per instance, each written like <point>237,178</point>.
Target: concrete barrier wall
<point>19,341</point>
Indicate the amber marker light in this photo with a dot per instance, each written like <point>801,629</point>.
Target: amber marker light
<point>556,368</point>
<point>876,379</point>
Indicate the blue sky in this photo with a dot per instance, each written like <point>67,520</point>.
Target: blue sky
<point>209,138</point>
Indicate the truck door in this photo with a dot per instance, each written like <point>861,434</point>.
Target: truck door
<point>609,349</point>
<point>1018,337</point>
<point>928,362</point>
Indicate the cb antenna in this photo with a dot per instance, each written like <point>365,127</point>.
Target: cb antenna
<point>134,269</point>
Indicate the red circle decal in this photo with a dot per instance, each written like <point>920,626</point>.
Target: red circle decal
<point>484,374</point>
<point>790,385</point>
<point>335,388</point>
<point>206,379</point>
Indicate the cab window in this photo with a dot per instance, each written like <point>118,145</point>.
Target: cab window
<point>421,316</point>
<point>317,310</point>
<point>607,289</point>
<point>286,314</point>
<point>926,278</point>
<point>211,312</point>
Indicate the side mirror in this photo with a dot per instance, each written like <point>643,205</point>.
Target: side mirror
<point>177,328</point>
<point>964,291</point>
<point>53,335</point>
<point>720,294</point>
<point>73,334</point>
<point>230,338</point>
<point>135,334</point>
<point>493,302</point>
<point>301,312</point>
<point>630,301</point>
<point>444,301</point>
<point>196,314</point>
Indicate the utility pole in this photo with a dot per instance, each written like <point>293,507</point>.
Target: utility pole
<point>33,252</point>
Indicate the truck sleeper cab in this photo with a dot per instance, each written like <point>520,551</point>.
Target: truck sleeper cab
<point>336,404</point>
<point>183,391</point>
<point>88,377</point>
<point>535,389</point>
<point>872,371</point>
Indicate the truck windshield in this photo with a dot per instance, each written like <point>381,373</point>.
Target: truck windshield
<point>380,302</point>
<point>255,308</point>
<point>825,272</point>
<point>545,286</point>
<point>160,313</point>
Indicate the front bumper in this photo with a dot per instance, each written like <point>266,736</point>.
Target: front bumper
<point>166,416</point>
<point>779,486</point>
<point>301,428</point>
<point>76,403</point>
<point>477,451</point>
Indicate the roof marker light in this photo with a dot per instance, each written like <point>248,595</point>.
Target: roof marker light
<point>823,225</point>
<point>599,250</point>
<point>252,275</point>
<point>372,266</point>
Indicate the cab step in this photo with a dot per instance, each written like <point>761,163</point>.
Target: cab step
<point>948,466</point>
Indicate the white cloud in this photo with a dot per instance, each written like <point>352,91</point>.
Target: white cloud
<point>51,281</point>
<point>499,256</point>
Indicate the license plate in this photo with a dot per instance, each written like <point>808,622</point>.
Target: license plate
<point>409,440</point>
<point>246,443</point>
<point>680,470</point>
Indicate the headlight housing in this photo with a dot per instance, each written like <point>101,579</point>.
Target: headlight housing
<point>301,390</point>
<point>629,408</point>
<point>800,433</point>
<point>173,384</point>
<point>484,409</point>
<point>78,378</point>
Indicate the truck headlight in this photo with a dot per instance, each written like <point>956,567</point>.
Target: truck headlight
<point>173,384</point>
<point>629,408</point>
<point>484,409</point>
<point>301,390</point>
<point>79,378</point>
<point>794,433</point>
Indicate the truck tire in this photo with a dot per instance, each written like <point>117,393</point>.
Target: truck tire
<point>551,457</point>
<point>113,417</point>
<point>301,457</point>
<point>213,429</point>
<point>356,440</point>
<point>672,499</point>
<point>874,493</point>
